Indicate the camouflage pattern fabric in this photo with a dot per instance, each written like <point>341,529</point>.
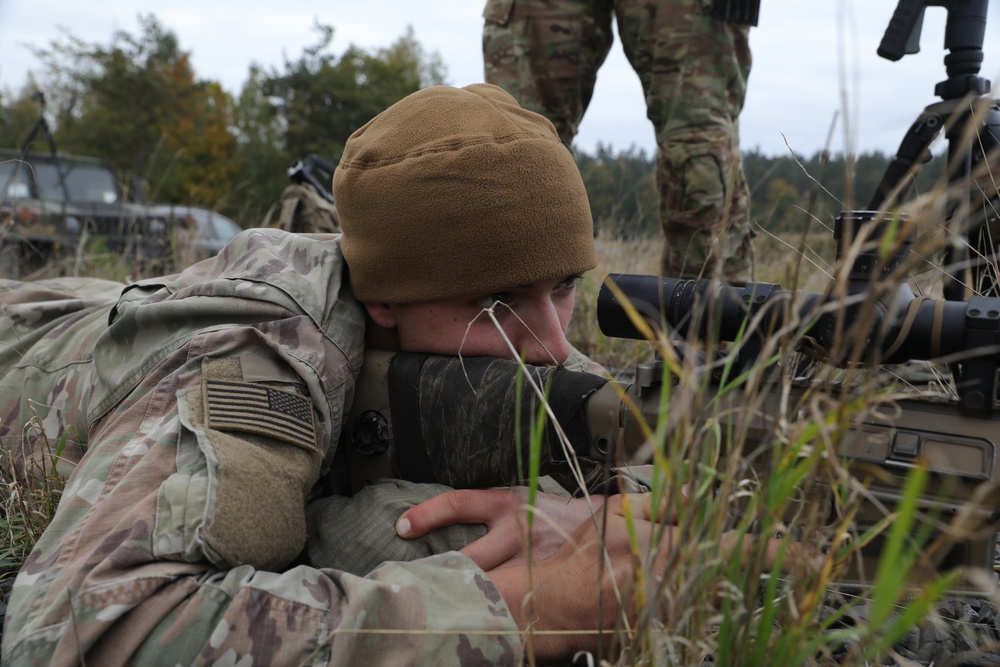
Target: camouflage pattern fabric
<point>49,329</point>
<point>376,541</point>
<point>140,564</point>
<point>303,211</point>
<point>693,69</point>
<point>579,362</point>
<point>369,517</point>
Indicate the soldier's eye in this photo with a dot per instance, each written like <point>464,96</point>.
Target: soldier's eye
<point>486,302</point>
<point>571,281</point>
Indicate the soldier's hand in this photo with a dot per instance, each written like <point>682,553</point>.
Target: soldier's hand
<point>583,592</point>
<point>577,596</point>
<point>504,511</point>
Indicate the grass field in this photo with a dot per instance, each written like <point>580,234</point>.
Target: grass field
<point>809,617</point>
<point>719,597</point>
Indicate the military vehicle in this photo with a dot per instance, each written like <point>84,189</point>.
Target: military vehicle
<point>52,204</point>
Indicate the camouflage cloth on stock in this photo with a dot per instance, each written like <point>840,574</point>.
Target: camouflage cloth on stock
<point>370,515</point>
<point>174,540</point>
<point>693,69</point>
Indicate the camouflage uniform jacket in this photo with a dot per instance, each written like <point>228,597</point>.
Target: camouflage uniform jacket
<point>175,538</point>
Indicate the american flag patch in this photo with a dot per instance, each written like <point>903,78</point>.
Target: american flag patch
<point>257,408</point>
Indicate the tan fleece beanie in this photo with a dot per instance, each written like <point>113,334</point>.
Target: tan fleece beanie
<point>458,192</point>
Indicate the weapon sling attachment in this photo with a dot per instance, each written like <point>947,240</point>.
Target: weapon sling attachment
<point>412,462</point>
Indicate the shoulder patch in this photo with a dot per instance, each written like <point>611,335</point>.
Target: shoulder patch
<point>256,408</point>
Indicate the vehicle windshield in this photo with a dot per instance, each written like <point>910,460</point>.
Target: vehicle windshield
<point>211,225</point>
<point>225,229</point>
<point>86,183</point>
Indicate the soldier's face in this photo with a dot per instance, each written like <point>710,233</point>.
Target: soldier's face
<point>533,317</point>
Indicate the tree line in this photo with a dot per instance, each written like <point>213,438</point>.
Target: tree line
<point>138,103</point>
<point>788,192</point>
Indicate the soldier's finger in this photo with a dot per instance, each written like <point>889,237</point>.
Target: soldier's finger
<point>793,555</point>
<point>644,505</point>
<point>494,549</point>
<point>459,506</point>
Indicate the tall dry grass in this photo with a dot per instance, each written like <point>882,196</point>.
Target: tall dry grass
<point>748,455</point>
<point>28,501</point>
<point>761,454</point>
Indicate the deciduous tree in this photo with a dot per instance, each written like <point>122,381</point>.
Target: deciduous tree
<point>322,98</point>
<point>138,104</point>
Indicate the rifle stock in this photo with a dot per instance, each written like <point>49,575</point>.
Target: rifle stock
<point>463,435</point>
<point>875,450</point>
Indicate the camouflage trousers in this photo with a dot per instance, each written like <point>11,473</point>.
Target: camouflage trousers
<point>693,69</point>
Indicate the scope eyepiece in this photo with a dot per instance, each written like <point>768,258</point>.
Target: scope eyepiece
<point>656,300</point>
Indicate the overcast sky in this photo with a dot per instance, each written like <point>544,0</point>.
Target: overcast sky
<point>809,57</point>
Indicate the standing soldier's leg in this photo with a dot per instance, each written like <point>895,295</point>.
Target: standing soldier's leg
<point>546,54</point>
<point>694,69</point>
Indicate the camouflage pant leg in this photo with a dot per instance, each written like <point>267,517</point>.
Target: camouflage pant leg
<point>546,54</point>
<point>694,70</point>
<point>704,211</point>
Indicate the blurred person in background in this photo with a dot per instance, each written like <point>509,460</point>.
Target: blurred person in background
<point>693,59</point>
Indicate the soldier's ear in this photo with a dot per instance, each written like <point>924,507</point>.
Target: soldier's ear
<point>381,314</point>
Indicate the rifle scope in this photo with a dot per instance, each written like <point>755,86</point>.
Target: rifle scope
<point>860,323</point>
<point>936,328</point>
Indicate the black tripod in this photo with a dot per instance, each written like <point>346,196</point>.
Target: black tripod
<point>965,100</point>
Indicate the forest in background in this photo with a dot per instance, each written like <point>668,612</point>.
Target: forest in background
<point>138,103</point>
